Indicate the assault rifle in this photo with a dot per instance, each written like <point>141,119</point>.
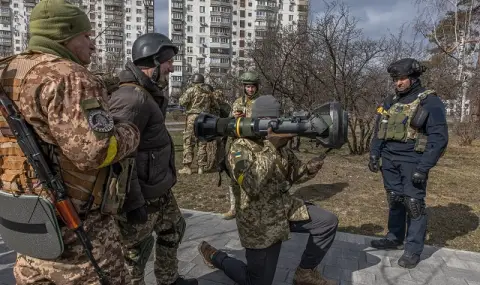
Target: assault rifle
<point>50,180</point>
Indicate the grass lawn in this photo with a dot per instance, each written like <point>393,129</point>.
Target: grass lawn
<point>346,187</point>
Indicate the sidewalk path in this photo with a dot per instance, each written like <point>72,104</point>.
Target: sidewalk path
<point>350,260</point>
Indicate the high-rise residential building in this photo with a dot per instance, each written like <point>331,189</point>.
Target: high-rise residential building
<point>214,35</point>
<point>116,24</point>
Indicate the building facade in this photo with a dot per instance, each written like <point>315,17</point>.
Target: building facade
<point>116,24</point>
<point>214,35</point>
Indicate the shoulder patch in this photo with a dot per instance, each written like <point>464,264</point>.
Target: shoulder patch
<point>100,121</point>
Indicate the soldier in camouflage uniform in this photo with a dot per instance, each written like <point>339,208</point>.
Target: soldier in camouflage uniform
<point>266,213</point>
<point>67,107</point>
<point>242,107</point>
<point>140,99</point>
<point>216,148</point>
<point>196,99</point>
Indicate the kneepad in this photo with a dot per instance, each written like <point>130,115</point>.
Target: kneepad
<point>415,207</point>
<point>394,199</point>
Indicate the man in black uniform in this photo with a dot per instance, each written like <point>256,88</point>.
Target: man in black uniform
<point>410,136</point>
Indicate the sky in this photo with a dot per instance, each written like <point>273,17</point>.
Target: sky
<point>376,17</point>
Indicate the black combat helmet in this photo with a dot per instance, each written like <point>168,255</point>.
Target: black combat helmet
<point>152,49</point>
<point>406,67</point>
<point>198,78</point>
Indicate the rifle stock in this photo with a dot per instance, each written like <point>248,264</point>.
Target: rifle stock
<point>50,180</point>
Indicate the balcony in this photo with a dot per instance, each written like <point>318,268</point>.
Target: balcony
<point>178,9</point>
<point>113,3</point>
<point>220,24</point>
<point>220,3</point>
<point>177,21</point>
<point>267,8</point>
<point>216,34</point>
<point>178,41</point>
<point>219,13</point>
<point>220,64</point>
<point>220,45</point>
<point>5,12</point>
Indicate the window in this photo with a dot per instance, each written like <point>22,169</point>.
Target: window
<point>202,50</point>
<point>139,11</point>
<point>189,39</point>
<point>291,8</point>
<point>189,18</point>
<point>202,9</point>
<point>202,29</point>
<point>290,18</point>
<point>189,29</point>
<point>190,8</point>
<point>242,33</point>
<point>241,53</point>
<point>242,24</point>
<point>242,14</point>
<point>242,43</point>
<point>202,19</point>
<point>139,20</point>
<point>128,35</point>
<point>189,49</point>
<point>128,18</point>
<point>177,68</point>
<point>189,59</point>
<point>202,40</point>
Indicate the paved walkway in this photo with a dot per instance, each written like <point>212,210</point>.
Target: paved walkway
<point>350,260</point>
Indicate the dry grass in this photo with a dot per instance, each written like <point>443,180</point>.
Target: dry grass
<point>346,187</point>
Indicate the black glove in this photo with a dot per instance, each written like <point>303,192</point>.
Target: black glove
<point>138,216</point>
<point>419,177</point>
<point>373,164</point>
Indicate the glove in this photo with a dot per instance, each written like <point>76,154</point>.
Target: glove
<point>138,216</point>
<point>373,164</point>
<point>419,177</point>
<point>316,163</point>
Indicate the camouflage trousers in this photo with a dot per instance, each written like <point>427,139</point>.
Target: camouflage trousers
<point>73,267</point>
<point>166,220</point>
<point>189,141</point>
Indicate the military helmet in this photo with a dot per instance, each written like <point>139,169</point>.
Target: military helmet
<point>406,67</point>
<point>250,78</point>
<point>153,49</point>
<point>198,78</point>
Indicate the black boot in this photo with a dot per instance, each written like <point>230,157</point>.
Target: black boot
<point>409,260</point>
<point>182,281</point>
<point>385,243</point>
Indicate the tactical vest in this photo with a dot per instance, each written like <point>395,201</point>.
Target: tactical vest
<point>17,176</point>
<point>394,123</point>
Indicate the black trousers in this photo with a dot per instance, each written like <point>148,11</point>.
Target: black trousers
<point>262,263</point>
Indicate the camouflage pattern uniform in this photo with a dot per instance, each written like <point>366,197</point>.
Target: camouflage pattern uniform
<point>216,148</point>
<point>166,220</point>
<point>50,98</point>
<point>243,104</point>
<point>195,100</point>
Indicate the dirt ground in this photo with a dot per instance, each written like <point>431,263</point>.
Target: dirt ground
<point>346,187</point>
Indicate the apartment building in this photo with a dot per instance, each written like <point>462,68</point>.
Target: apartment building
<point>116,25</point>
<point>214,35</point>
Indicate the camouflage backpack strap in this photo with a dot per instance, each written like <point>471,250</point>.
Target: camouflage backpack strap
<point>422,96</point>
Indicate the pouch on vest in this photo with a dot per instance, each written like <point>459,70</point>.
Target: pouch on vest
<point>117,186</point>
<point>29,225</point>
<point>397,127</point>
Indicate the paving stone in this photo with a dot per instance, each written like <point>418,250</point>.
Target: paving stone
<point>350,260</point>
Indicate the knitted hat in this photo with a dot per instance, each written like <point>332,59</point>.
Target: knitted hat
<point>58,20</point>
<point>266,106</point>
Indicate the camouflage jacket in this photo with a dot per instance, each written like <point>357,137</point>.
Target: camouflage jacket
<point>197,100</point>
<point>244,105</point>
<point>264,206</point>
<point>67,106</point>
<point>224,108</point>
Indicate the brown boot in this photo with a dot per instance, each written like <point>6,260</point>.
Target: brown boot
<point>185,170</point>
<point>207,251</point>
<point>310,277</point>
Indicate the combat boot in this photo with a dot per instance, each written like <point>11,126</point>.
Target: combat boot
<point>385,243</point>
<point>207,251</point>
<point>310,277</point>
<point>185,170</point>
<point>182,281</point>
<point>409,260</point>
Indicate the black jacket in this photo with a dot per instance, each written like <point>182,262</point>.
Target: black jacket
<point>155,157</point>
